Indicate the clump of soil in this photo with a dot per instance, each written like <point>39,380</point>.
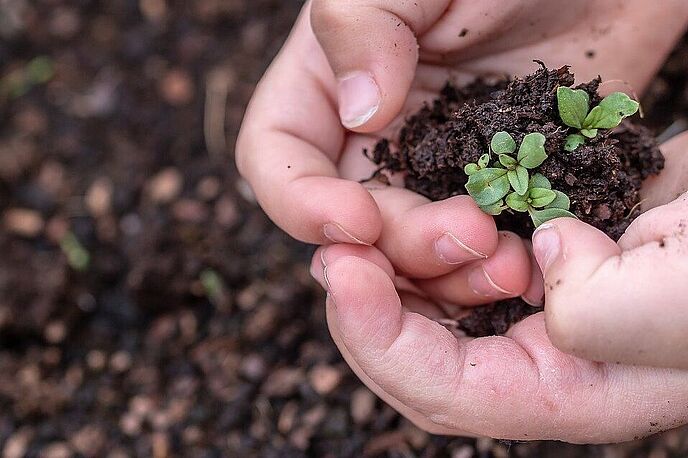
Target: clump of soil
<point>602,177</point>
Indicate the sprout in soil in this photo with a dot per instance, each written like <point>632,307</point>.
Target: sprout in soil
<point>574,109</point>
<point>509,178</point>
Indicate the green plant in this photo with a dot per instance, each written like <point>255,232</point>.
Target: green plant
<point>17,83</point>
<point>574,110</point>
<point>491,187</point>
<point>78,257</point>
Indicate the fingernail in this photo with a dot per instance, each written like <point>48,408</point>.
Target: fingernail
<point>359,99</point>
<point>546,245</point>
<point>482,284</point>
<point>336,233</point>
<point>328,287</point>
<point>534,302</point>
<point>453,251</point>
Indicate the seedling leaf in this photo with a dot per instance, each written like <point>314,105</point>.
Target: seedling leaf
<point>621,104</point>
<point>494,209</point>
<point>539,181</point>
<point>503,143</point>
<point>590,133</point>
<point>532,153</point>
<point>540,217</point>
<point>561,201</point>
<point>573,141</point>
<point>471,168</point>
<point>488,186</point>
<point>540,197</point>
<point>507,161</point>
<point>516,202</point>
<point>573,106</point>
<point>484,161</point>
<point>519,180</point>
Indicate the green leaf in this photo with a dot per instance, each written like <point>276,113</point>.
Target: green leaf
<point>540,217</point>
<point>503,143</point>
<point>519,180</point>
<point>483,161</point>
<point>561,201</point>
<point>573,106</point>
<point>507,161</point>
<point>488,186</point>
<point>620,103</point>
<point>540,197</point>
<point>573,141</point>
<point>494,209</point>
<point>470,169</point>
<point>609,113</point>
<point>590,133</point>
<point>539,181</point>
<point>532,153</point>
<point>516,202</point>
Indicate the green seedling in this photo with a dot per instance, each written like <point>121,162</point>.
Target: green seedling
<point>574,110</point>
<point>508,184</point>
<point>36,72</point>
<point>78,257</point>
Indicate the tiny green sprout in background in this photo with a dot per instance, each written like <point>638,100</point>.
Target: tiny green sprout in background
<point>489,186</point>
<point>574,110</point>
<point>213,285</point>
<point>78,257</point>
<point>37,71</point>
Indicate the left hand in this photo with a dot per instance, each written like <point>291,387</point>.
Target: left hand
<point>625,302</point>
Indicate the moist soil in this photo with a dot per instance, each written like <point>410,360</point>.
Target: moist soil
<point>602,177</point>
<point>130,357</point>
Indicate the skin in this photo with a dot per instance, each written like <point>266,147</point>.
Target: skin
<point>400,262</point>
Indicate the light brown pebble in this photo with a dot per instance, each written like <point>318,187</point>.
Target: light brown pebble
<point>23,222</point>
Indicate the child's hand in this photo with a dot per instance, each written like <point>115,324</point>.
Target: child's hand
<point>624,303</point>
<point>304,166</point>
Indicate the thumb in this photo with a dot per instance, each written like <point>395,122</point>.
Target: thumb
<point>605,304</point>
<point>372,48</point>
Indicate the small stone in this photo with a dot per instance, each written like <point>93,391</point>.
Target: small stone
<point>23,222</point>
<point>89,440</point>
<point>99,197</point>
<point>226,212</point>
<point>120,361</point>
<point>165,186</point>
<point>463,451</point>
<point>208,188</point>
<point>603,212</point>
<point>153,10</point>
<point>362,405</point>
<point>161,445</point>
<point>253,367</point>
<point>189,211</point>
<point>262,322</point>
<point>324,379</point>
<point>17,444</point>
<point>130,424</point>
<point>96,360</point>
<point>484,445</point>
<point>55,332</point>
<point>177,87</point>
<point>56,450</point>
<point>283,382</point>
<point>287,417</point>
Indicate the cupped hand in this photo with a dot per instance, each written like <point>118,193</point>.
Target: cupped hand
<point>625,302</point>
<point>352,70</point>
<point>579,372</point>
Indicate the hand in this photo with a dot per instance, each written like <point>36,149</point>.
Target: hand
<point>625,302</point>
<point>518,386</point>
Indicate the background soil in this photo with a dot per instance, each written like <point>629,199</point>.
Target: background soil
<point>195,329</point>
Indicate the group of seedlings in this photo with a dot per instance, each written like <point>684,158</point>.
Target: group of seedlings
<point>508,184</point>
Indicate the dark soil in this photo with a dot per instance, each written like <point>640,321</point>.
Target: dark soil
<point>132,356</point>
<point>602,177</point>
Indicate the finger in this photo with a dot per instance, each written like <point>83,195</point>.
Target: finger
<point>535,292</point>
<point>372,48</point>
<point>425,239</point>
<point>512,388</point>
<point>328,254</point>
<point>673,181</point>
<point>288,145</point>
<point>607,305</point>
<point>503,275</point>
